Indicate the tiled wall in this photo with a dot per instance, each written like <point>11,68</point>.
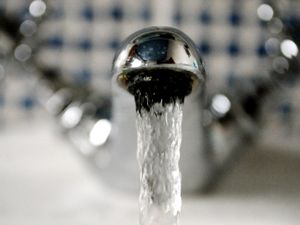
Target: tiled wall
<point>78,38</point>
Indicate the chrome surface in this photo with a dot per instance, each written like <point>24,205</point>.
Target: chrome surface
<point>157,47</point>
<point>171,50</point>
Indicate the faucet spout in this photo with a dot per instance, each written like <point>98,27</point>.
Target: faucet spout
<point>161,63</point>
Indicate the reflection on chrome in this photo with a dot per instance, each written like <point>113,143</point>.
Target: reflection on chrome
<point>71,116</point>
<point>136,63</point>
<point>276,26</point>
<point>100,132</point>
<point>28,28</point>
<point>272,46</point>
<point>289,48</point>
<point>22,52</point>
<point>37,8</point>
<point>220,104</point>
<point>280,65</point>
<point>265,12</point>
<point>58,101</point>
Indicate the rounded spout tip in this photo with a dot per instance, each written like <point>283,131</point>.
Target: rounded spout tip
<point>159,55</point>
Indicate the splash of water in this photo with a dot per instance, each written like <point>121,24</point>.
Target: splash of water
<point>159,140</point>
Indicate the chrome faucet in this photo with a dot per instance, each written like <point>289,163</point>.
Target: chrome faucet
<point>172,55</point>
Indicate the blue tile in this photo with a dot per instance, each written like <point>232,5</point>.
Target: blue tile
<point>233,49</point>
<point>261,50</point>
<point>285,108</point>
<point>83,76</point>
<point>204,48</point>
<point>177,17</point>
<point>114,44</point>
<point>146,14</point>
<point>205,17</point>
<point>117,13</point>
<point>88,13</point>
<point>27,102</point>
<point>55,42</point>
<point>235,18</point>
<point>85,45</point>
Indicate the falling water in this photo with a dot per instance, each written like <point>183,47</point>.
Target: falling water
<point>159,140</point>
<point>159,95</point>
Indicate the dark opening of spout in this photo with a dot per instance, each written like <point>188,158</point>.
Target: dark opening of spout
<point>158,85</point>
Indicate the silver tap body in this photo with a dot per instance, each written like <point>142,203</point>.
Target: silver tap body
<point>154,48</point>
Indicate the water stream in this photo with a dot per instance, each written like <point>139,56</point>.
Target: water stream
<point>159,95</point>
<point>159,141</point>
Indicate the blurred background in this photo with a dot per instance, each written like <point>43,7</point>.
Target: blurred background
<point>56,108</point>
